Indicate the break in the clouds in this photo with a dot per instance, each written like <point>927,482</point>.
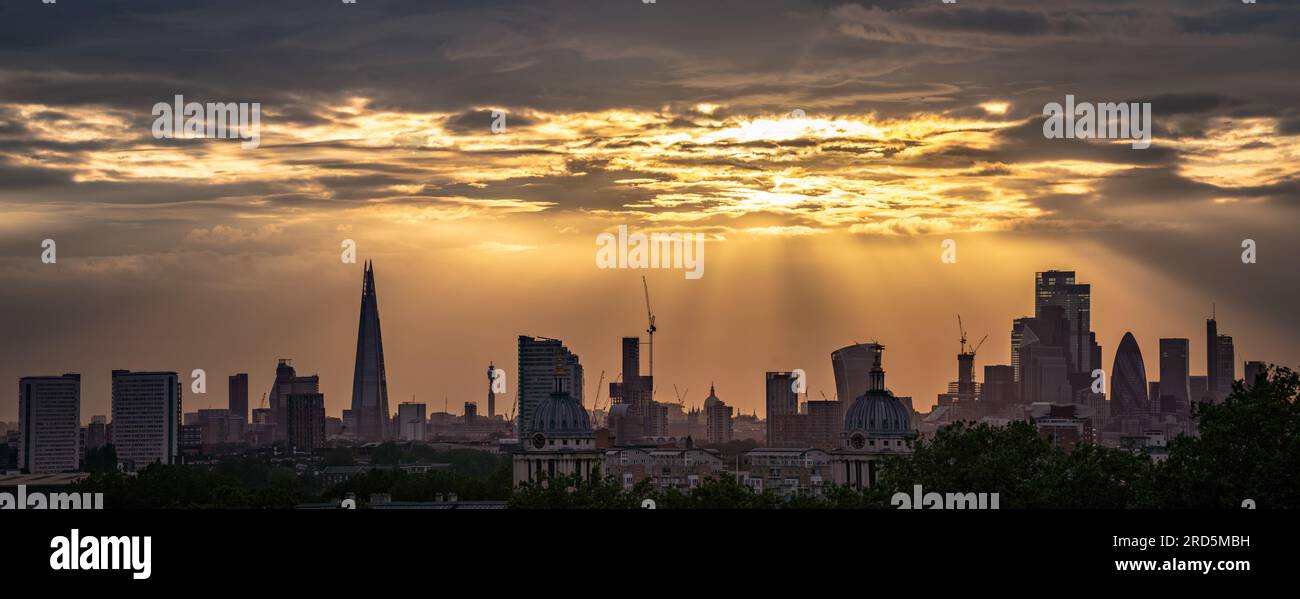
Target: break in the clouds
<point>917,118</point>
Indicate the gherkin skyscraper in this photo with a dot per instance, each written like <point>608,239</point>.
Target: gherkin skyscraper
<point>369,383</point>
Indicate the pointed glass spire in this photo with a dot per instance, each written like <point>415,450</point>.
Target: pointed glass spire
<point>369,381</point>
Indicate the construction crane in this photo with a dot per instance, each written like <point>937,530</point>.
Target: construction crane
<point>974,349</point>
<point>263,400</point>
<point>650,315</point>
<point>681,397</point>
<point>595,405</point>
<point>966,385</point>
<point>596,402</point>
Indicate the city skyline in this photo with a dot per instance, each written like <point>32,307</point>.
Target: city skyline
<point>824,152</point>
<point>920,400</point>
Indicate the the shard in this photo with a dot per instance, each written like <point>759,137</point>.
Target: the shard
<point>369,383</point>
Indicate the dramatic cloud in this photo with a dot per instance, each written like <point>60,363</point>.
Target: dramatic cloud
<point>765,124</point>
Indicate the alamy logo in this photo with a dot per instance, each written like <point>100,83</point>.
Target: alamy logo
<point>1107,120</point>
<point>53,501</point>
<point>215,120</point>
<point>657,250</point>
<point>943,501</point>
<point>75,552</point>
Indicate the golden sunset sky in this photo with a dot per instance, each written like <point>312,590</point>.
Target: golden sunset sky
<point>919,122</point>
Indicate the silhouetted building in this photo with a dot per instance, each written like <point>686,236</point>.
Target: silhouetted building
<point>852,367</point>
<point>1000,386</point>
<point>717,419</point>
<point>1252,371</point>
<point>49,423</point>
<point>1226,372</point>
<point>1044,359</point>
<point>633,409</point>
<point>492,396</point>
<point>1198,387</point>
<point>306,430</point>
<point>781,401</point>
<point>412,421</point>
<point>1019,327</point>
<point>238,403</point>
<point>146,418</point>
<point>369,379</point>
<point>1064,425</point>
<point>97,433</point>
<point>287,382</point>
<point>825,421</point>
<point>1058,288</point>
<point>218,426</point>
<point>539,358</point>
<point>634,387</point>
<point>1174,368</point>
<point>1128,380</point>
<point>789,430</point>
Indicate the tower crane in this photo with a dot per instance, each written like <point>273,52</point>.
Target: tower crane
<point>975,348</point>
<point>650,316</point>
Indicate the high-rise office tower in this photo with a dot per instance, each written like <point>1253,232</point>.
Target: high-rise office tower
<point>1226,372</point>
<point>1019,328</point>
<point>49,423</point>
<point>1220,364</point>
<point>634,387</point>
<point>1174,368</point>
<point>412,417</point>
<point>781,401</point>
<point>539,357</point>
<point>1058,288</point>
<point>852,367</point>
<point>1128,380</point>
<point>239,395</point>
<point>146,417</point>
<point>369,379</point>
<point>306,421</point>
<point>492,396</point>
<point>1044,365</point>
<point>1211,361</point>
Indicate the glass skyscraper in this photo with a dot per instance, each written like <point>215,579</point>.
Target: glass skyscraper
<point>369,380</point>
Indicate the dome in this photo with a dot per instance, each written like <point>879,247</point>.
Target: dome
<point>877,412</point>
<point>712,399</point>
<point>559,416</point>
